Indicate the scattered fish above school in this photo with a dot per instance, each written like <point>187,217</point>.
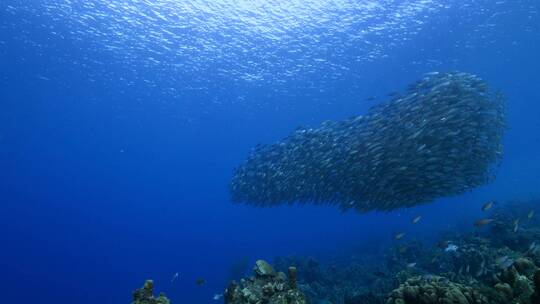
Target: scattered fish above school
<point>175,277</point>
<point>416,219</point>
<point>200,281</point>
<point>442,137</point>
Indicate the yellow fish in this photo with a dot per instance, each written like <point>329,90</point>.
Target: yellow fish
<point>399,236</point>
<point>482,222</point>
<point>416,219</point>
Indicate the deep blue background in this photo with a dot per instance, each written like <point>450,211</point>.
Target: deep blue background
<point>103,185</point>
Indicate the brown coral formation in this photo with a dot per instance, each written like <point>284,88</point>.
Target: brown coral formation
<point>434,290</point>
<point>265,286</point>
<point>145,295</point>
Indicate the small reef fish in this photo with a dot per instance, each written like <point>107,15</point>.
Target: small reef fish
<point>200,281</point>
<point>534,248</point>
<point>411,265</point>
<point>443,244</point>
<point>482,222</point>
<point>399,236</point>
<point>468,268</point>
<point>504,262</point>
<point>482,269</point>
<point>379,274</point>
<point>531,214</point>
<point>218,296</point>
<point>516,225</point>
<point>487,206</point>
<point>416,219</point>
<point>175,277</point>
<point>451,248</point>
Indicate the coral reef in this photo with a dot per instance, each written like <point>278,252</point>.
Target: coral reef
<point>145,295</point>
<point>265,286</point>
<point>496,265</point>
<point>434,289</point>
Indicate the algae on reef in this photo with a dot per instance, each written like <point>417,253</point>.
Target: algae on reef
<point>265,286</point>
<point>497,265</point>
<point>145,295</point>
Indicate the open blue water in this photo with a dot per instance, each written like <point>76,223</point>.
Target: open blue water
<point>121,123</point>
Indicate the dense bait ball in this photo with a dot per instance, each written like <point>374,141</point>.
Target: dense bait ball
<point>442,137</point>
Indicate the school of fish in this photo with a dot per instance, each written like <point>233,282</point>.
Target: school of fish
<point>441,137</point>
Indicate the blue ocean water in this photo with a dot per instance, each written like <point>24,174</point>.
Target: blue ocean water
<point>121,124</point>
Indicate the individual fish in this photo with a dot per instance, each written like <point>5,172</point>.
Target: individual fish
<point>399,236</point>
<point>482,222</point>
<point>534,248</point>
<point>487,206</point>
<point>515,225</point>
<point>416,219</point>
<point>504,262</point>
<point>411,265</point>
<point>175,277</point>
<point>443,244</point>
<point>482,269</point>
<point>530,214</point>
<point>451,248</point>
<point>507,263</point>
<point>370,98</point>
<point>218,296</point>
<point>200,281</point>
<point>379,274</point>
<point>403,249</point>
<point>468,268</point>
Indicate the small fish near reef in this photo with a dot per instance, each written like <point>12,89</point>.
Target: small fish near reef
<point>516,225</point>
<point>175,277</point>
<point>416,219</point>
<point>482,222</point>
<point>443,244</point>
<point>504,262</point>
<point>218,296</point>
<point>399,236</point>
<point>487,206</point>
<point>531,214</point>
<point>200,281</point>
<point>451,248</point>
<point>379,274</point>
